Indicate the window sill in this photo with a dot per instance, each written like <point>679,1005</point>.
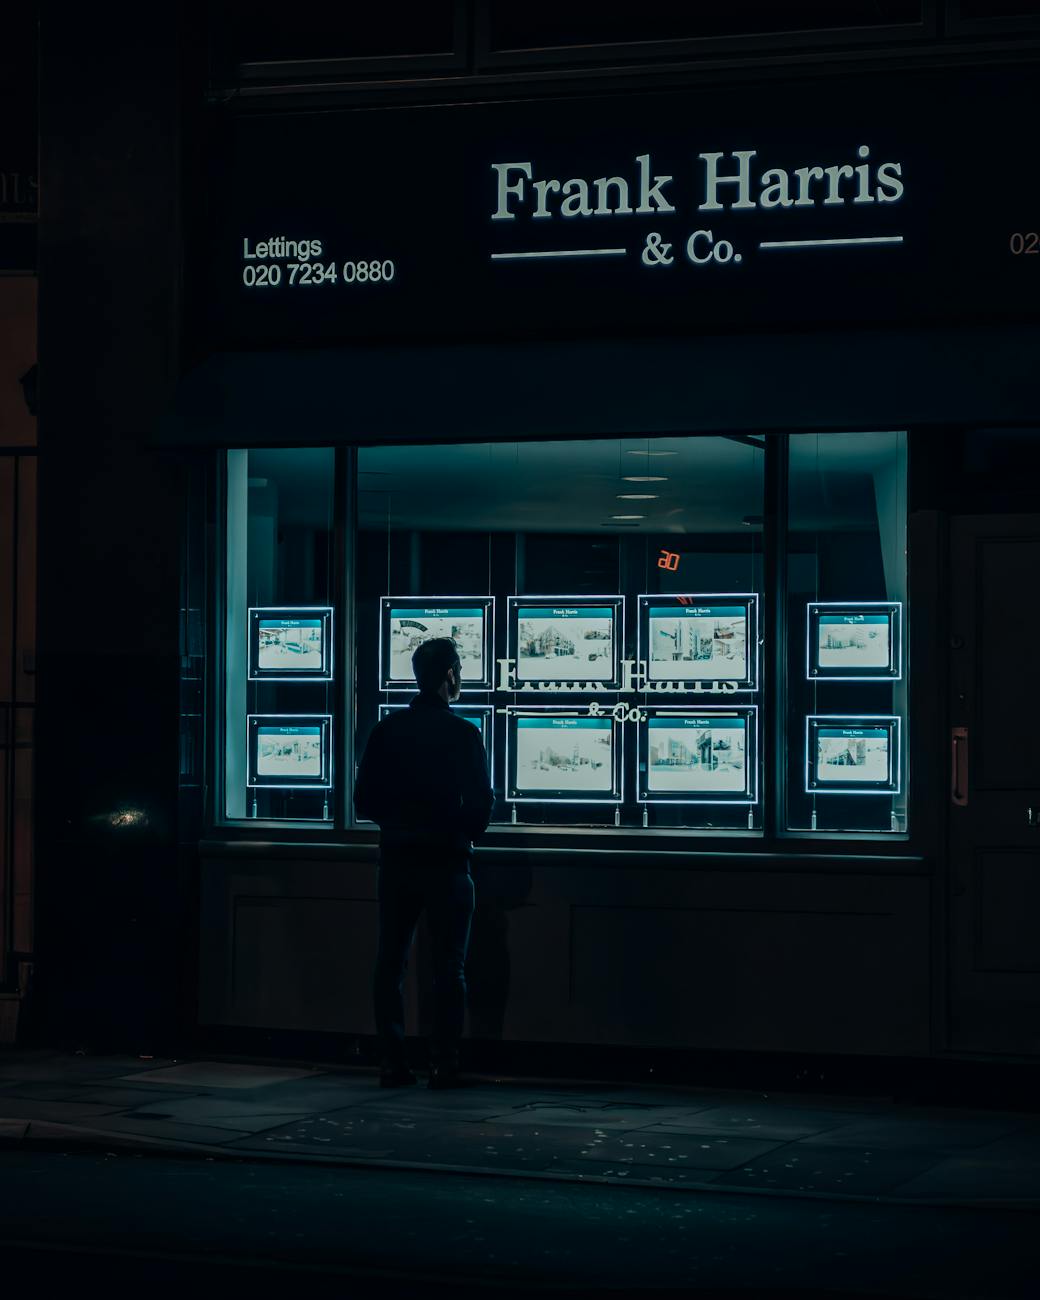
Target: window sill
<point>720,855</point>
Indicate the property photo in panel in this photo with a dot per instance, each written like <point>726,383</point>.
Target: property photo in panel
<point>293,753</point>
<point>848,754</point>
<point>846,643</point>
<point>697,755</point>
<point>565,755</point>
<point>564,641</point>
<point>290,644</point>
<point>410,626</point>
<point>697,643</point>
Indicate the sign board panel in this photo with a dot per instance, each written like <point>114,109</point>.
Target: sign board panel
<point>854,200</point>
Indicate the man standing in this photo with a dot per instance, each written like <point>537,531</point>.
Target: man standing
<point>424,780</point>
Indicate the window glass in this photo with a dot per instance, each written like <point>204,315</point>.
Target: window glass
<point>280,635</point>
<point>846,632</point>
<point>608,601</point>
<point>605,596</point>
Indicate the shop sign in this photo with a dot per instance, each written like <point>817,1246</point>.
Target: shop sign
<point>728,183</point>
<point>822,202</point>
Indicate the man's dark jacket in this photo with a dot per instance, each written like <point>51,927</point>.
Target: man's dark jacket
<point>424,780</point>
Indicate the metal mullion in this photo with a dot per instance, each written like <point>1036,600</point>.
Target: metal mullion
<point>215,803</point>
<point>773,719</point>
<point>344,686</point>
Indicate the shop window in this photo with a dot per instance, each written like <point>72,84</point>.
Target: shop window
<point>847,630</point>
<point>622,657</point>
<point>281,676</point>
<point>606,598</point>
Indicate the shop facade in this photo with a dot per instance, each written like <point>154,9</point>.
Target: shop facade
<point>693,414</point>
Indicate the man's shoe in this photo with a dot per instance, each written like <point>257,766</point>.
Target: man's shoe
<point>444,1076</point>
<point>396,1077</point>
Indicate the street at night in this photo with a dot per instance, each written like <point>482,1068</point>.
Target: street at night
<point>519,759</point>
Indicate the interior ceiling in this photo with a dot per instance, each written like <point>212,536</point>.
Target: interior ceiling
<point>712,484</point>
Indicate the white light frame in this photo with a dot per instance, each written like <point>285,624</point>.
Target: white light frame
<point>617,795</point>
<point>325,719</point>
<point>748,685</point>
<point>691,711</point>
<point>386,603</point>
<point>514,604</point>
<point>324,674</point>
<point>853,721</point>
<point>895,632</point>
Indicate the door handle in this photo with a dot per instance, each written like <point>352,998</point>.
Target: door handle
<point>959,766</point>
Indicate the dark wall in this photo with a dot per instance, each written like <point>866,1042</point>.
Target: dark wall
<point>979,470</point>
<point>110,913</point>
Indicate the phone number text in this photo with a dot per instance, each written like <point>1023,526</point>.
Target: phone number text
<point>271,275</point>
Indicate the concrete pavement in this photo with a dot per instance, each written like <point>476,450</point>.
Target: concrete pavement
<point>724,1141</point>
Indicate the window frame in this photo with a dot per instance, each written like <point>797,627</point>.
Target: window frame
<point>771,840</point>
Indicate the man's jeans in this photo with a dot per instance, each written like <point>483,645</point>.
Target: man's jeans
<point>446,892</point>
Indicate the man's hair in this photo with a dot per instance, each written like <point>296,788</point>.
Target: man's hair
<point>432,660</point>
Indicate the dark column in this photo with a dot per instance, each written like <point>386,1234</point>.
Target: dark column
<point>113,902</point>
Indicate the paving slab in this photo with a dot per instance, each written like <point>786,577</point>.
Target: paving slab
<point>939,1134</point>
<point>700,1151</point>
<point>1008,1167</point>
<point>666,1175</point>
<point>430,1106</point>
<point>251,1123</point>
<point>605,1114</point>
<point>168,1129</point>
<point>99,1093</point>
<point>395,1137</point>
<point>683,1099</point>
<point>46,1067</point>
<point>33,1108</point>
<point>975,1179</point>
<point>865,1103</point>
<point>374,1140</point>
<point>121,1096</point>
<point>498,1143</point>
<point>220,1074</point>
<point>212,1110</point>
<point>315,1095</point>
<point>758,1120</point>
<point>853,1171</point>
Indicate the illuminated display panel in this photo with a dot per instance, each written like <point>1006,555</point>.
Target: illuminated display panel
<point>567,639</point>
<point>556,756</point>
<point>290,643</point>
<point>407,621</point>
<point>480,715</point>
<point>290,751</point>
<point>703,756</point>
<point>690,639</point>
<point>854,641</point>
<point>852,754</point>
